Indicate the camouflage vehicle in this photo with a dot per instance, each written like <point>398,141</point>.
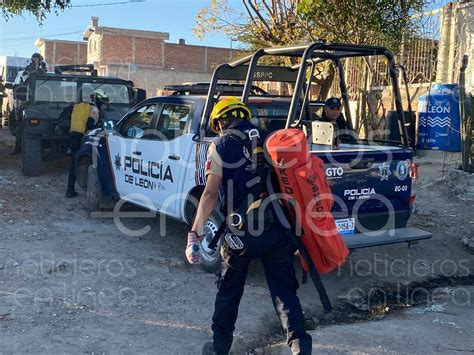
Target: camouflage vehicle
<point>41,103</point>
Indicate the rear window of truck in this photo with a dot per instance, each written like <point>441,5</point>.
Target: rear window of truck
<point>117,93</point>
<point>55,91</point>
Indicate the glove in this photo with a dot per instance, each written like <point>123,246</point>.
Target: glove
<point>193,248</point>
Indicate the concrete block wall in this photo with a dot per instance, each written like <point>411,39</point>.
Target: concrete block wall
<point>121,49</point>
<point>153,79</point>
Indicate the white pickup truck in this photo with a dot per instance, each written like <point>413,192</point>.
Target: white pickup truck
<point>155,157</point>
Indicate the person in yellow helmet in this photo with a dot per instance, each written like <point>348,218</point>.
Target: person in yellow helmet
<point>230,174</point>
<point>84,117</point>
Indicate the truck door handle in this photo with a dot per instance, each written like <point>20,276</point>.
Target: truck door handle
<point>137,152</point>
<point>174,157</point>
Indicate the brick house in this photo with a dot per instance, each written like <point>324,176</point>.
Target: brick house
<point>146,58</point>
<point>60,52</point>
<point>141,56</point>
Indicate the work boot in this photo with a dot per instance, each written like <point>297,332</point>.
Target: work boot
<point>70,192</point>
<point>208,349</point>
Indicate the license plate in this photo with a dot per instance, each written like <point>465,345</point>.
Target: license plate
<point>346,225</point>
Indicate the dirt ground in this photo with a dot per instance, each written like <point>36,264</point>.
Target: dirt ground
<point>70,283</point>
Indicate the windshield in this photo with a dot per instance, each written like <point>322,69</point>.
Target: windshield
<point>55,91</point>
<point>117,93</point>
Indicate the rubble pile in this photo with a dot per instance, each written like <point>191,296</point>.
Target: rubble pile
<point>461,183</point>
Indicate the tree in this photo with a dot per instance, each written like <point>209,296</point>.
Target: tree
<point>264,23</point>
<point>376,22</point>
<point>288,22</point>
<point>39,8</point>
<point>269,23</point>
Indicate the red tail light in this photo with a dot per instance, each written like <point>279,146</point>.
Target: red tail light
<point>414,181</point>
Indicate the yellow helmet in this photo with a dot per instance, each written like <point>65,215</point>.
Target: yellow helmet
<point>228,107</point>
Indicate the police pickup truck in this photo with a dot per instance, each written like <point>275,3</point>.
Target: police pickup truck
<point>155,156</point>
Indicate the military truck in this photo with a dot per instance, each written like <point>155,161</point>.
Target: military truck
<point>40,100</point>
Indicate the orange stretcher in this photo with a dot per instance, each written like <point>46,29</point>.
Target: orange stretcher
<point>306,194</point>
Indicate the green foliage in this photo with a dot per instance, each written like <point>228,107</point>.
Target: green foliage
<point>265,23</point>
<point>38,8</point>
<point>376,22</point>
<point>277,23</point>
<point>268,23</point>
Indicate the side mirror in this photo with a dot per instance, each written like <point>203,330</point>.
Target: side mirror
<point>140,95</point>
<point>20,92</point>
<point>107,125</point>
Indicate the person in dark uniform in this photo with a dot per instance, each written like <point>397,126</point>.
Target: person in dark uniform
<point>228,173</point>
<point>37,65</point>
<point>84,117</point>
<point>333,113</point>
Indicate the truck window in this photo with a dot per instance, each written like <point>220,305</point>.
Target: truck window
<point>117,93</point>
<point>269,117</point>
<point>11,73</point>
<point>139,123</point>
<point>173,121</point>
<point>265,116</point>
<point>55,91</point>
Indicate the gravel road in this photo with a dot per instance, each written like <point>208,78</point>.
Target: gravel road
<point>70,283</point>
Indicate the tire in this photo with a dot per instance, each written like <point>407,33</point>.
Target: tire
<point>31,156</point>
<point>12,123</point>
<point>211,258</point>
<point>93,190</point>
<point>82,172</point>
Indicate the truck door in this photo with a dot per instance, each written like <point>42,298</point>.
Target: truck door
<point>167,152</point>
<point>125,153</point>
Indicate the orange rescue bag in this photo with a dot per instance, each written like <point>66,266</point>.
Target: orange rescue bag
<point>306,193</point>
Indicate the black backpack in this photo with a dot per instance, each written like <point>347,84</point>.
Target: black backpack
<point>263,190</point>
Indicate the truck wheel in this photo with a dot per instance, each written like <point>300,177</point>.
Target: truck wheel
<point>31,156</point>
<point>12,123</point>
<point>93,190</point>
<point>82,172</point>
<point>211,258</point>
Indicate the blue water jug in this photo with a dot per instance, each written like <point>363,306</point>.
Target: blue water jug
<point>439,118</point>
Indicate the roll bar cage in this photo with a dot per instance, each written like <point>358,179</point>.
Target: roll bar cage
<point>248,70</point>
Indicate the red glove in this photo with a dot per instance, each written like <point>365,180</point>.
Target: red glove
<point>193,248</point>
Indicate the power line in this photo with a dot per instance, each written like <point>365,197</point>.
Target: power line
<point>110,3</point>
<point>12,39</point>
<point>19,44</point>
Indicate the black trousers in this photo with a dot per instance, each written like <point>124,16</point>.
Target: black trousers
<point>276,252</point>
<point>75,140</point>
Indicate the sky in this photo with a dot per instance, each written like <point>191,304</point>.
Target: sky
<point>177,17</point>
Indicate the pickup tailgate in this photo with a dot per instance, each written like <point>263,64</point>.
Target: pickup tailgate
<point>371,187</point>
